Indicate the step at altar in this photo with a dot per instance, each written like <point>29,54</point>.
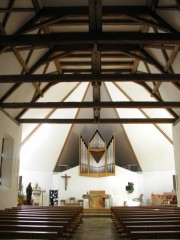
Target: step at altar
<point>97,212</point>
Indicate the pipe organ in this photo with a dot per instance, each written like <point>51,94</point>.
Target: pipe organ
<point>97,159</point>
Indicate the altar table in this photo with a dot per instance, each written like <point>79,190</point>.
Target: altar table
<point>97,199</point>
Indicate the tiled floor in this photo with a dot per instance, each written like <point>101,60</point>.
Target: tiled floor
<point>96,228</point>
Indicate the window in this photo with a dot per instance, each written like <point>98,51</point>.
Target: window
<point>6,161</point>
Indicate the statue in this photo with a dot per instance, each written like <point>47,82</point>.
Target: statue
<point>36,194</point>
<point>29,194</point>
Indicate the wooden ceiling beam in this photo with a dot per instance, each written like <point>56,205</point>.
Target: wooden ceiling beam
<point>118,38</point>
<point>82,48</point>
<point>103,71</point>
<point>153,4</point>
<point>94,104</point>
<point>106,22</point>
<point>16,10</point>
<point>7,15</point>
<point>19,57</point>
<point>99,121</point>
<point>178,4</point>
<point>55,15</point>
<point>95,25</point>
<point>56,78</point>
<point>171,58</point>
<point>83,10</point>
<point>147,22</point>
<point>157,97</point>
<point>163,23</point>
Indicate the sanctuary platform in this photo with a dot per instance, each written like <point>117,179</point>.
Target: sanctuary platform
<point>97,212</point>
<point>98,199</point>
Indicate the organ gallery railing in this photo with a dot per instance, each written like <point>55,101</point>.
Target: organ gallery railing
<point>97,159</point>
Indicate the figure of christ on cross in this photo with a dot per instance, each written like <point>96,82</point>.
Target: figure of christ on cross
<point>65,180</point>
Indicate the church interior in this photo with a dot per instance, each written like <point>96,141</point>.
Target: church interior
<point>90,103</point>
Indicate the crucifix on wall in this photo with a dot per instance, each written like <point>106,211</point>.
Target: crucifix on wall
<point>66,180</point>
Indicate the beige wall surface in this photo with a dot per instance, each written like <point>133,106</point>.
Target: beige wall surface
<point>9,187</point>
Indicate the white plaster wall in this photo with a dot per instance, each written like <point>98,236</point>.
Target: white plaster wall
<point>77,185</point>
<point>146,183</point>
<point>176,139</point>
<point>8,196</point>
<point>114,185</point>
<point>157,182</point>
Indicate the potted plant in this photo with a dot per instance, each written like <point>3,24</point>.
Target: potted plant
<point>130,187</point>
<point>20,199</point>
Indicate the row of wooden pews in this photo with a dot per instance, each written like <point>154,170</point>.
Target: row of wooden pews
<point>35,222</point>
<point>147,222</point>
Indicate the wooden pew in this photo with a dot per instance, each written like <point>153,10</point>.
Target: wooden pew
<point>132,230</point>
<point>28,235</point>
<point>38,222</point>
<point>147,223</point>
<point>48,219</point>
<point>151,222</point>
<point>166,234</point>
<point>30,228</point>
<point>76,213</point>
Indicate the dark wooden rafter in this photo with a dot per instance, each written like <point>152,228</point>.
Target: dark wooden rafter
<point>10,91</point>
<point>56,78</point>
<point>116,104</point>
<point>89,47</point>
<point>49,114</point>
<point>7,15</point>
<point>48,16</point>
<point>103,71</point>
<point>144,113</point>
<point>48,57</point>
<point>117,38</point>
<point>95,25</point>
<point>17,85</point>
<point>42,95</point>
<point>157,97</point>
<point>30,23</point>
<point>41,24</point>
<point>152,61</point>
<point>164,23</point>
<point>61,48</point>
<point>36,5</point>
<point>17,10</point>
<point>20,59</point>
<point>164,69</point>
<point>144,57</point>
<point>168,67</point>
<point>99,121</point>
<point>153,4</point>
<point>46,30</point>
<point>57,15</point>
<point>148,22</point>
<point>178,4</point>
<point>44,90</point>
<point>51,55</point>
<point>137,59</point>
<point>36,97</point>
<point>109,21</point>
<point>86,63</point>
<point>171,58</point>
<point>154,84</point>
